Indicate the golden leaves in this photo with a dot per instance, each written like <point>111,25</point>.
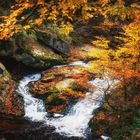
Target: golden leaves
<point>121,63</point>
<point>32,13</point>
<point>104,2</point>
<point>26,27</point>
<point>101,42</point>
<point>66,27</point>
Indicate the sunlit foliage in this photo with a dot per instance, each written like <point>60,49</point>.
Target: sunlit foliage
<point>123,62</point>
<point>25,14</point>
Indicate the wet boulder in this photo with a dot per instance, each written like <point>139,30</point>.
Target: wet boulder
<point>27,49</point>
<point>66,83</point>
<point>10,102</point>
<point>54,41</point>
<point>61,86</point>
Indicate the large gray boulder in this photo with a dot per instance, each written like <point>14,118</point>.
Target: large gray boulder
<point>55,42</point>
<point>28,50</point>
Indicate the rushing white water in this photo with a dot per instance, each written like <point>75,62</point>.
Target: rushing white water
<point>34,108</point>
<point>79,63</point>
<point>75,123</point>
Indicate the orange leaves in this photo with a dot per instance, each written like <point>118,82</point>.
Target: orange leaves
<point>104,2</point>
<point>36,13</point>
<point>71,93</point>
<point>40,2</point>
<point>10,24</point>
<point>8,98</point>
<point>61,11</point>
<point>8,103</point>
<point>38,21</point>
<point>26,27</point>
<point>122,63</point>
<point>101,116</point>
<point>53,14</point>
<point>86,12</point>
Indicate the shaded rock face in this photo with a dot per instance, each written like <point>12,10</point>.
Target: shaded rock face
<point>27,49</point>
<point>10,102</point>
<point>17,69</point>
<point>54,42</point>
<point>80,53</point>
<point>12,123</point>
<point>60,87</point>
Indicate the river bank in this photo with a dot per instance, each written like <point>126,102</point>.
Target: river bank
<point>57,124</point>
<point>39,129</point>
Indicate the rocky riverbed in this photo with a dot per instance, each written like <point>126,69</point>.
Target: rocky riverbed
<point>60,88</point>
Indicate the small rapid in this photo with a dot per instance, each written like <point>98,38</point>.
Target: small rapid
<point>34,108</point>
<point>75,122</point>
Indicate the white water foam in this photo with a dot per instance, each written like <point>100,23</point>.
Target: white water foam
<point>75,123</point>
<point>34,108</point>
<point>79,63</point>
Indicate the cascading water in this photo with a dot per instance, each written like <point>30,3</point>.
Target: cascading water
<point>34,108</point>
<point>75,123</point>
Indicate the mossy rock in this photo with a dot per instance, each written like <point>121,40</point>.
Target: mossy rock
<point>66,83</point>
<point>55,99</point>
<point>27,49</point>
<point>49,78</point>
<point>37,52</point>
<point>41,96</point>
<point>3,72</point>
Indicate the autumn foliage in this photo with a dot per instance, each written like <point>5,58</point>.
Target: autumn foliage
<point>25,14</point>
<point>117,56</point>
<point>119,61</point>
<point>9,102</point>
<point>115,53</point>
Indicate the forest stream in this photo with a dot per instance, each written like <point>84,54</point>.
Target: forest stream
<point>69,70</point>
<point>75,122</point>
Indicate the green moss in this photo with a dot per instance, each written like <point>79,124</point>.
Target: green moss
<point>49,55</point>
<point>77,87</point>
<point>6,74</point>
<point>53,89</point>
<point>28,50</point>
<point>54,100</point>
<point>41,96</point>
<point>50,63</point>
